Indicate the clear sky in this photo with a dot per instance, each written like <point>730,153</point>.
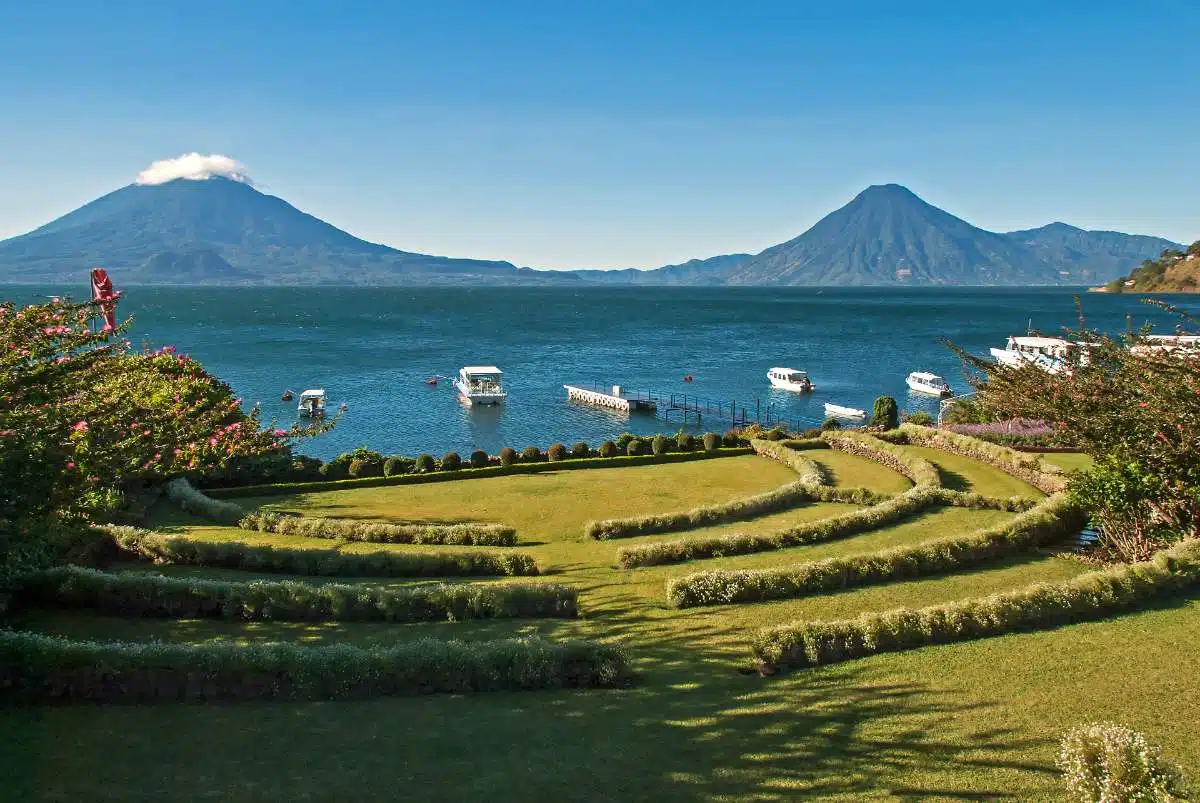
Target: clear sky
<point>614,134</point>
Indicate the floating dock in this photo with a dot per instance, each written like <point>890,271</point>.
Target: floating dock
<point>614,400</point>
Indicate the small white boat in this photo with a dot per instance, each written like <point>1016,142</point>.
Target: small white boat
<point>925,382</point>
<point>837,411</point>
<point>480,384</point>
<point>312,403</point>
<point>790,379</point>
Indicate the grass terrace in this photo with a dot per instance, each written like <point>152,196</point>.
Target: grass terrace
<point>971,720</point>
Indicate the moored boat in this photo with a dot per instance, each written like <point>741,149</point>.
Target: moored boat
<point>1048,353</point>
<point>480,384</point>
<point>838,411</point>
<point>925,382</point>
<point>790,379</point>
<point>312,403</point>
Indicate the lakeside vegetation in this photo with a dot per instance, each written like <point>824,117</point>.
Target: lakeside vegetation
<point>1173,272</point>
<point>671,698</point>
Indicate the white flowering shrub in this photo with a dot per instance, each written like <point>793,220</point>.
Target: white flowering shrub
<point>1108,763</point>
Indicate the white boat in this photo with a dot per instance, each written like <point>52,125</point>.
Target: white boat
<point>837,411</point>
<point>1184,345</point>
<point>480,384</point>
<point>790,379</point>
<point>1048,353</point>
<point>925,382</point>
<point>312,403</point>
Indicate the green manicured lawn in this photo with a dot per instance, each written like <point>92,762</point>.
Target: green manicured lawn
<point>852,471</point>
<point>1068,461</point>
<point>965,474</point>
<point>967,721</point>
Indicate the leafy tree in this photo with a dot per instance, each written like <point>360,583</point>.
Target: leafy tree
<point>885,413</point>
<point>1135,408</point>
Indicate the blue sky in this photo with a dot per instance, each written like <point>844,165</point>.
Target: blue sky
<point>614,134</point>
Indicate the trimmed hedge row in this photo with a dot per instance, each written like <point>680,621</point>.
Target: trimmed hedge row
<point>920,471</point>
<point>175,549</point>
<point>476,473</point>
<point>1052,520</point>
<point>809,473</point>
<point>39,668</point>
<point>181,492</point>
<point>380,532</point>
<point>896,509</point>
<point>137,594</point>
<point>1041,606</point>
<point>1022,466</point>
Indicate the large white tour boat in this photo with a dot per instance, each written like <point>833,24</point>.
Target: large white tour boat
<point>480,384</point>
<point>925,382</point>
<point>1048,353</point>
<point>790,379</point>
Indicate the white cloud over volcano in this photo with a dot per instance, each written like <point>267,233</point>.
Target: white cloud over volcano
<point>194,166</point>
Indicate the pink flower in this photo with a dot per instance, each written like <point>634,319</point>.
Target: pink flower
<point>212,441</point>
<point>80,426</point>
<point>279,433</point>
<point>70,465</point>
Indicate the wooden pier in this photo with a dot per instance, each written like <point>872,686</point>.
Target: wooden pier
<point>614,400</point>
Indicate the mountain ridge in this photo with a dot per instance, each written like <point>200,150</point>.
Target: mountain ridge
<point>220,230</point>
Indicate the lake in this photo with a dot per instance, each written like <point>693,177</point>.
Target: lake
<point>374,348</point>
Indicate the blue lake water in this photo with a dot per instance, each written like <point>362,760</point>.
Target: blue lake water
<point>374,348</point>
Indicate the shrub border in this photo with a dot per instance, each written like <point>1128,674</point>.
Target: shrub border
<point>41,668</point>
<point>1010,461</point>
<point>466,534</point>
<point>923,473</point>
<point>1040,606</point>
<point>190,500</point>
<point>153,595</point>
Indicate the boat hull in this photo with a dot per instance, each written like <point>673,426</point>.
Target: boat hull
<point>844,412</point>
<point>476,399</point>
<point>794,387</point>
<point>929,390</point>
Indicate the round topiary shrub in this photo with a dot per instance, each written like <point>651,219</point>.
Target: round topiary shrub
<point>776,433</point>
<point>396,465</point>
<point>556,452</point>
<point>920,418</point>
<point>712,441</point>
<point>608,449</point>
<point>732,438</point>
<point>885,413</point>
<point>658,445</point>
<point>686,441</point>
<point>531,454</point>
<point>451,461</point>
<point>479,458</point>
<point>635,447</point>
<point>426,463</point>
<point>333,471</point>
<point>831,424</point>
<point>580,450</point>
<point>623,440</point>
<point>508,456</point>
<point>356,468</point>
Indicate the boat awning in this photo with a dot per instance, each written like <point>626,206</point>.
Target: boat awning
<point>925,376</point>
<point>313,394</point>
<point>478,370</point>
<point>788,372</point>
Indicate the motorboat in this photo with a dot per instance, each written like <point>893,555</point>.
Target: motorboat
<point>287,396</point>
<point>312,403</point>
<point>925,382</point>
<point>480,385</point>
<point>838,411</point>
<point>1048,353</point>
<point>790,379</point>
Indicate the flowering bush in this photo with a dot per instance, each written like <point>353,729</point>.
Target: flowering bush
<point>1107,763</point>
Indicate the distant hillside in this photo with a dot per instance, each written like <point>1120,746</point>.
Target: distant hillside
<point>1174,271</point>
<point>1090,256</point>
<point>711,271</point>
<point>221,231</point>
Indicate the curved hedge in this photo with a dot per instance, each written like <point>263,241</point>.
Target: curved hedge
<point>1094,595</point>
<point>620,461</point>
<point>176,549</point>
<point>39,668</point>
<point>181,492</point>
<point>470,534</point>
<point>1023,466</point>
<point>807,470</point>
<point>1052,520</point>
<point>137,594</point>
<point>917,469</point>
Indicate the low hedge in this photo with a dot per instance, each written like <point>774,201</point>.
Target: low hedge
<point>920,471</point>
<point>1041,606</point>
<point>181,492</point>
<point>180,550</point>
<point>1052,520</point>
<point>1022,466</point>
<point>618,461</point>
<point>808,471</point>
<point>137,594</point>
<point>39,668</point>
<point>469,534</point>
<point>857,521</point>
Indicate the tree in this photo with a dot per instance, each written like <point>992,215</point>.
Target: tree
<point>82,417</point>
<point>885,413</point>
<point>1132,405</point>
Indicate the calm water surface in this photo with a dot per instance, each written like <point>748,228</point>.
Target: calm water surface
<point>373,349</point>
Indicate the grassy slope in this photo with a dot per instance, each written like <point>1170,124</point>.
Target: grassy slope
<point>949,722</point>
<point>965,474</point>
<point>851,471</point>
<point>1068,461</point>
